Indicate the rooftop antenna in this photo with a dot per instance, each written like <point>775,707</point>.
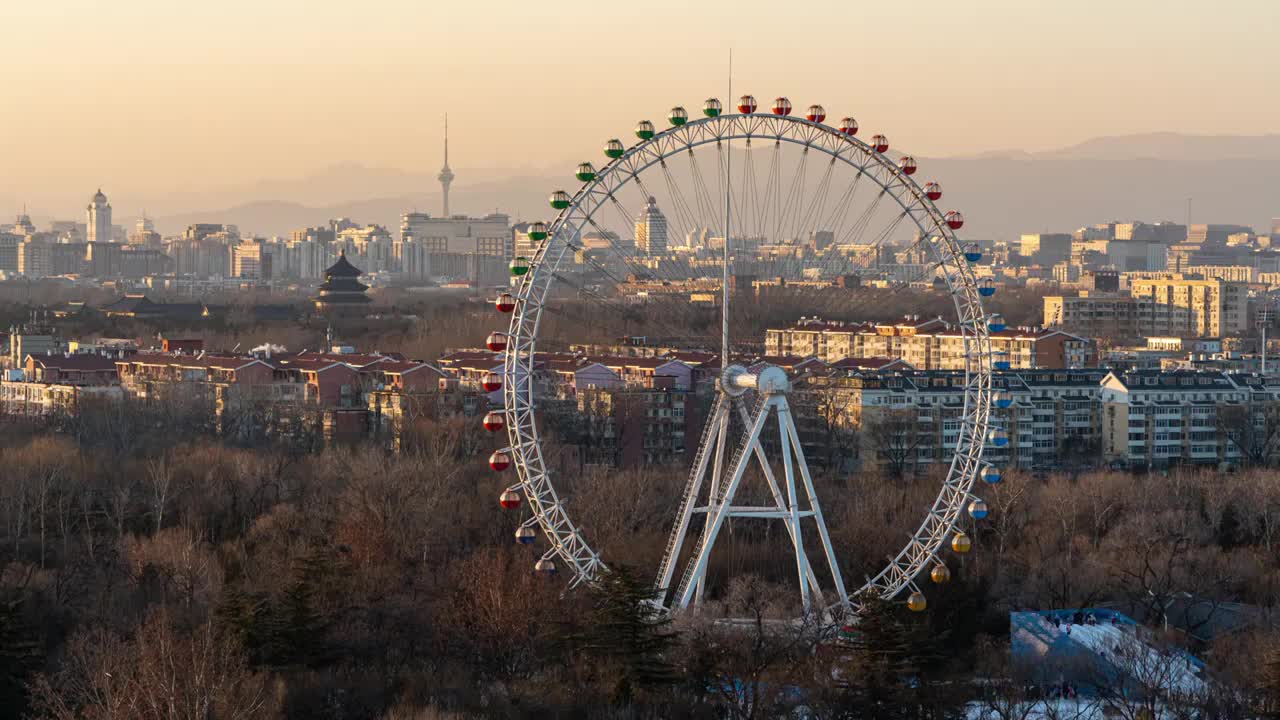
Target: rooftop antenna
<point>724,302</point>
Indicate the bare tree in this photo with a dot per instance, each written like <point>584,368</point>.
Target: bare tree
<point>1254,430</point>
<point>747,669</point>
<point>1139,678</point>
<point>162,674</point>
<point>895,437</point>
<point>826,407</point>
<point>160,482</point>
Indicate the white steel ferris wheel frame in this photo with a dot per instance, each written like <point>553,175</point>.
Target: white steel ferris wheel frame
<point>567,544</point>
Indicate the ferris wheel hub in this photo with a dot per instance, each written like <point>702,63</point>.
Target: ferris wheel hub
<point>771,380</point>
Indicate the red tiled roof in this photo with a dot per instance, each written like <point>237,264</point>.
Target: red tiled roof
<point>695,357</point>
<point>357,360</point>
<point>787,360</point>
<point>312,364</point>
<point>873,363</point>
<point>84,362</point>
<point>465,355</point>
<point>637,362</point>
<point>400,367</point>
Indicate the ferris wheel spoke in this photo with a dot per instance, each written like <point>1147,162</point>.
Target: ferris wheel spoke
<point>814,214</point>
<point>860,225</point>
<point>772,174</point>
<point>840,213</point>
<point>750,197</point>
<point>794,192</point>
<point>630,260</point>
<point>708,215</point>
<point>665,257</point>
<point>685,217</point>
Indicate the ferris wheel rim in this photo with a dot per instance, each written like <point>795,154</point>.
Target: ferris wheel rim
<point>566,538</point>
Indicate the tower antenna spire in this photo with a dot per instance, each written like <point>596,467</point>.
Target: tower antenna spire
<point>446,175</point>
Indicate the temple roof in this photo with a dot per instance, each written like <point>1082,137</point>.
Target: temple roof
<point>343,269</point>
<point>342,285</point>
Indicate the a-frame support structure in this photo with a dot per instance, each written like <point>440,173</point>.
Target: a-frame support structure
<point>794,500</point>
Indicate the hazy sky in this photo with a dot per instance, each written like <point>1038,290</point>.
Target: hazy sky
<point>148,95</point>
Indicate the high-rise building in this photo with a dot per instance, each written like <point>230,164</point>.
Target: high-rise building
<point>1215,307</point>
<point>315,234</point>
<point>99,219</point>
<point>10,246</point>
<point>651,229</point>
<point>1047,249</point>
<point>489,235</point>
<point>33,255</point>
<point>371,246</point>
<point>446,175</point>
<point>24,226</point>
<point>250,261</point>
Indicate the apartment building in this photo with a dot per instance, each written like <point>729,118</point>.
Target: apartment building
<point>42,399</point>
<point>1157,418</point>
<point>927,344</point>
<point>908,420</point>
<point>70,369</point>
<point>1215,307</point>
<point>631,426</point>
<point>1114,316</point>
<point>1137,419</point>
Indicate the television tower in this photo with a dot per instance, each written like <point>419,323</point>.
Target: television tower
<point>446,175</point>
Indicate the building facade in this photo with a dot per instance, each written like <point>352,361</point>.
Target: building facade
<point>98,219</point>
<point>1214,307</point>
<point>927,344</point>
<point>651,229</point>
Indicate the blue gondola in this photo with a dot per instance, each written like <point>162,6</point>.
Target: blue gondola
<point>991,475</point>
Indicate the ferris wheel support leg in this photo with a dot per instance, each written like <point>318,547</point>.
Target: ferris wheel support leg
<point>777,500</point>
<point>836,577</point>
<point>690,501</point>
<point>802,561</point>
<point>713,499</point>
<point>720,511</point>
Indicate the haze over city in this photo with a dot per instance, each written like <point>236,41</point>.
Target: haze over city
<point>401,360</point>
<point>175,108</point>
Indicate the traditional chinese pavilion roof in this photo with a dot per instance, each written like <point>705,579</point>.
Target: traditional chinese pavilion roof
<point>342,268</point>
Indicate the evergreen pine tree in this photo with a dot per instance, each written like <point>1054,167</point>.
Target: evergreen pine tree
<point>299,624</point>
<point>627,631</point>
<point>248,617</point>
<point>888,670</point>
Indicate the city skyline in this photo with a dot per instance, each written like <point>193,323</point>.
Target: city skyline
<point>268,97</point>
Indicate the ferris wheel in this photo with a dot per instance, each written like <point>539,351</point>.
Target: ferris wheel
<point>770,190</point>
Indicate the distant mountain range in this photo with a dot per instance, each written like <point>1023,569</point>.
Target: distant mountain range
<point>1004,193</point>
